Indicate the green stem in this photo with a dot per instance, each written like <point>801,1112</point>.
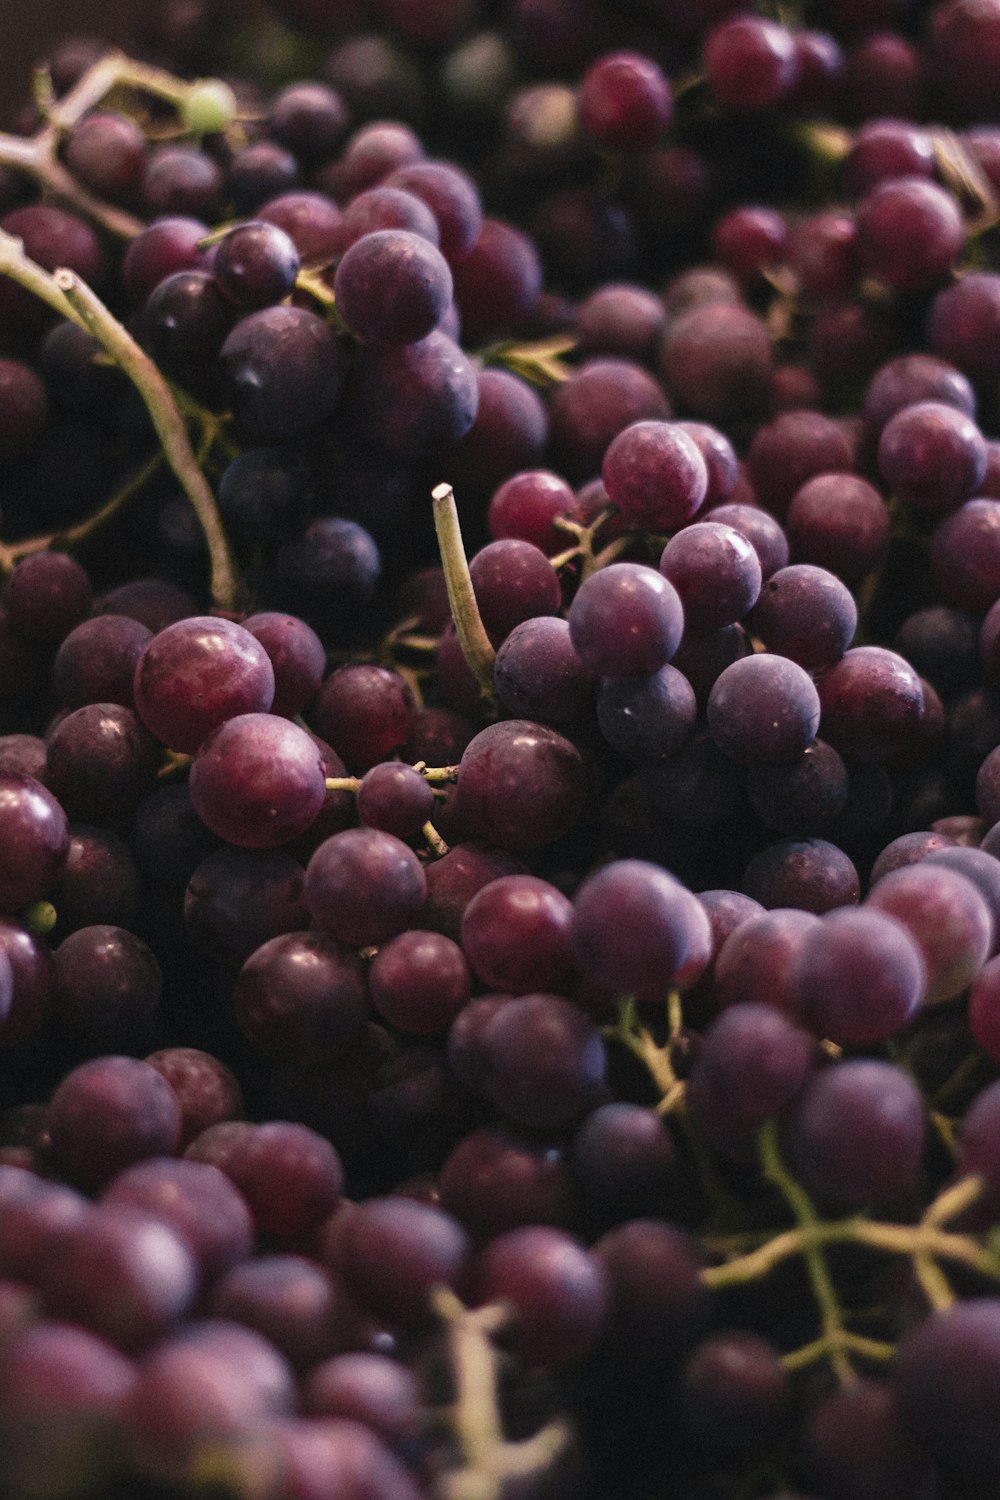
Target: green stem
<point>476,645</point>
<point>170,427</point>
<point>798,1200</point>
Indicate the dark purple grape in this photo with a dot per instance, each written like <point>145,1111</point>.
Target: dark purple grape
<point>255,265</point>
<point>205,1089</point>
<point>162,248</point>
<point>365,712</point>
<point>51,237</point>
<point>626,621</point>
<point>25,411</point>
<point>735,1393</point>
<point>807,615</point>
<point>394,1252</point>
<point>909,232</point>
<point>296,1305</point>
<point>859,978</point>
<point>416,398</point>
<point>369,1388</point>
<point>857,1133</point>
<point>763,710</point>
<point>539,675</point>
<point>750,63</point>
<point>290,1176</point>
<point>392,287</point>
<point>520,785</point>
<point>946,1368</point>
<point>620,319</point>
<point>633,927</point>
<point>198,673</point>
<point>750,241</point>
<point>558,1292</point>
<point>381,208</point>
<point>309,119</point>
<point>808,874</point>
<point>509,434</point>
<point>752,1063</point>
<point>761,530</point>
<point>109,1113</point>
<point>963,323</point>
<point>331,570</point>
<point>932,456</point>
<point>108,987</point>
<point>655,474</point>
<point>58,1379</point>
<point>297,658</point>
<point>301,997</point>
<point>34,982</point>
<point>544,1062</point>
<point>624,1160</point>
<point>35,836</point>
<point>196,1200</point>
<point>872,703</point>
<point>311,221</point>
<point>856,1440</point>
<point>717,360</point>
<point>363,886</point>
<point>122,1274</point>
<point>47,595</point>
<point>497,281</point>
<point>237,899</point>
<point>716,572</point>
<point>452,197</point>
<point>101,762</point>
<point>258,781</point>
<point>949,919</point>
<point>659,1305</point>
<point>260,171</point>
<point>181,181</point>
<point>96,661</point>
<point>965,556</point>
<point>623,102</point>
<point>395,798</point>
<point>790,450</point>
<point>285,370</point>
<point>596,403</point>
<point>647,718</point>
<point>841,523</point>
<point>419,982</point>
<point>913,378</point>
<point>208,1381</point>
<point>697,785</point>
<point>802,798</point>
<point>513,582</point>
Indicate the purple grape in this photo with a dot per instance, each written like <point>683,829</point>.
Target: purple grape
<point>734,1392</point>
<point>626,621</point>
<point>196,1200</point>
<point>872,703</point>
<point>909,232</point>
<point>419,982</point>
<point>363,886</point>
<point>716,572</point>
<point>258,780</point>
<point>750,63</point>
<point>520,785</point>
<point>198,673</point>
<point>416,398</point>
<point>949,919</point>
<point>255,265</point>
<point>301,997</point>
<point>379,1392</point>
<point>598,401</point>
<point>558,1292</point>
<point>646,718</point>
<point>297,1306</point>
<point>856,1439</point>
<point>289,1175</point>
<point>285,370</point>
<point>763,710</point>
<point>752,1063</point>
<point>206,1091</point>
<point>35,835</point>
<point>659,1305</point>
<point>946,1368</point>
<point>395,1251</point>
<point>544,1062</point>
<point>932,456</point>
<point>392,287</point>
<point>539,675</point>
<point>108,1113</point>
<point>717,361</point>
<point>859,977</point>
<point>632,927</point>
<point>791,449</point>
<point>101,762</point>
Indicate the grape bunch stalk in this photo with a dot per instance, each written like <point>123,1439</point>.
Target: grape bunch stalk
<point>500,754</point>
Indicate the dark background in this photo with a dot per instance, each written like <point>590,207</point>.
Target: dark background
<point>29,27</point>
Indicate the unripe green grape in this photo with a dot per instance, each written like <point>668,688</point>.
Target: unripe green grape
<point>208,107</point>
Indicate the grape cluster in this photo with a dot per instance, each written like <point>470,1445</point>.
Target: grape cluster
<point>500,754</point>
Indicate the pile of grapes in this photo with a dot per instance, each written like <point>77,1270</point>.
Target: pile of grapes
<point>500,754</point>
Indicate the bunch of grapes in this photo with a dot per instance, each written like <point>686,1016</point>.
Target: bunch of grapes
<point>500,754</point>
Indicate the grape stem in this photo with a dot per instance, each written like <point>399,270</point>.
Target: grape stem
<point>488,1459</point>
<point>170,428</point>
<point>38,155</point>
<point>475,643</point>
<point>11,553</point>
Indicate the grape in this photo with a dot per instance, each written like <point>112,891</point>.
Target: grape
<point>946,1367</point>
<point>108,1113</point>
<point>497,281</point>
<point>101,762</point>
<point>195,1199</point>
<point>809,874</point>
<point>658,1304</point>
<point>309,119</point>
<point>289,1175</point>
<point>419,982</point>
<point>520,785</point>
<point>538,673</point>
<point>763,710</point>
<point>498,1179</point>
<point>750,63</point>
<point>871,701</point>
<point>416,398</point>
<point>857,1439</point>
<point>788,451</point>
<point>557,1290</point>
<point>932,456</point>
<point>258,780</point>
<point>198,673</point>
<point>626,621</point>
<point>716,360</point>
<point>206,1091</point>
<point>412,282</point>
<point>299,1308</point>
<point>395,1251</point>
<point>363,886</point>
<point>35,834</point>
<point>368,1388</point>
<point>300,996</point>
<point>647,717</point>
<point>947,917</point>
<point>624,1160</point>
<point>632,927</point>
<point>598,401</point>
<point>285,371</point>
<point>52,1373</point>
<point>734,1392</point>
<point>208,1379</point>
<point>752,1063</point>
<point>544,1062</point>
<point>108,987</point>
